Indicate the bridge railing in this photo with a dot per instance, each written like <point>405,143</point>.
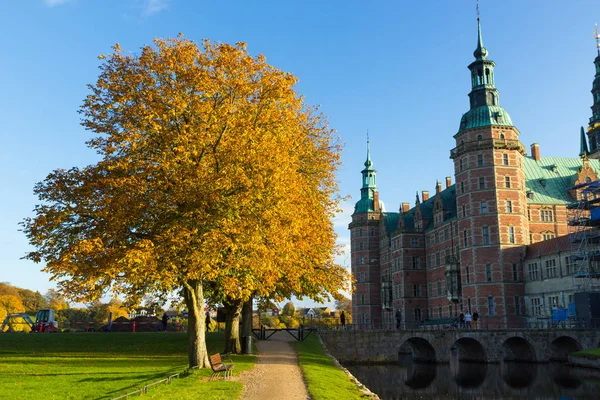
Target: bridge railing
<point>498,322</point>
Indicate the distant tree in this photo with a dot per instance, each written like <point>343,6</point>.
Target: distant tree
<point>9,304</point>
<point>55,300</point>
<point>7,289</point>
<point>344,304</point>
<point>32,301</point>
<point>289,309</point>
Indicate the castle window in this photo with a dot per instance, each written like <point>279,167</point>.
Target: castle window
<point>484,208</point>
<point>464,211</point>
<point>505,159</point>
<point>548,235</point>
<point>417,290</point>
<point>502,136</point>
<point>536,306</point>
<point>532,269</point>
<point>488,272</point>
<point>467,274</point>
<point>493,99</point>
<point>509,206</point>
<point>481,182</point>
<point>462,188</point>
<point>491,310</point>
<point>362,261</point>
<point>438,259</point>
<point>469,305</point>
<point>437,238</point>
<point>362,301</point>
<point>479,138</point>
<point>360,232</point>
<point>440,311</point>
<point>546,215</point>
<point>507,182</point>
<point>362,276</point>
<point>551,268</point>
<point>460,164</point>
<point>439,289</point>
<point>517,305</point>
<point>465,238</point>
<point>485,232</point>
<point>417,313</point>
<point>362,246</point>
<point>511,234</point>
<point>415,242</point>
<point>479,160</point>
<point>515,272</point>
<point>416,262</point>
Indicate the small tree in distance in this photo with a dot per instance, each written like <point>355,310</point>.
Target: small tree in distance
<point>289,309</point>
<point>213,173</point>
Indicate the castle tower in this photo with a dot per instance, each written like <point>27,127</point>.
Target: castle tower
<point>364,245</point>
<point>491,201</point>
<point>594,126</point>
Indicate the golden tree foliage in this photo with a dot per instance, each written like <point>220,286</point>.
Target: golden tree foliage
<point>9,304</point>
<point>212,170</point>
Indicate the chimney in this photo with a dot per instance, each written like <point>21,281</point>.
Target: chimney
<point>424,195</point>
<point>448,182</point>
<point>376,201</point>
<point>438,187</point>
<point>405,207</point>
<point>535,151</point>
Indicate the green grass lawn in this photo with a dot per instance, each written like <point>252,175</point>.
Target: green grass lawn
<point>588,353</point>
<point>324,379</point>
<point>106,365</point>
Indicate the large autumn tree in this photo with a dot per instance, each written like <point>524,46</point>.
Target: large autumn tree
<point>213,174</point>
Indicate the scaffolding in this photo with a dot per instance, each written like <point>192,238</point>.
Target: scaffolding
<point>584,232</point>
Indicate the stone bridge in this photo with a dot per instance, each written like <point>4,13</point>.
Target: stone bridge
<point>488,346</point>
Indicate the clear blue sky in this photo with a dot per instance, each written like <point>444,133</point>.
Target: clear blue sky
<point>396,68</point>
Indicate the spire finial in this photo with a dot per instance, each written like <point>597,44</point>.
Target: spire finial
<point>368,163</point>
<point>597,37</point>
<point>480,51</point>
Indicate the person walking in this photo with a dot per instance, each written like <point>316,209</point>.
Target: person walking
<point>207,321</point>
<point>165,318</point>
<point>468,320</point>
<point>398,319</point>
<point>343,320</point>
<point>475,319</point>
<point>461,320</point>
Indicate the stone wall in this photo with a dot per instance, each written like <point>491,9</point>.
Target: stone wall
<point>466,345</point>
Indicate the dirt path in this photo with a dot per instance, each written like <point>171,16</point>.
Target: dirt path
<point>277,374</point>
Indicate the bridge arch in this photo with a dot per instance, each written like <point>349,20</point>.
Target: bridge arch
<point>517,348</point>
<point>422,350</point>
<point>468,349</point>
<point>562,346</point>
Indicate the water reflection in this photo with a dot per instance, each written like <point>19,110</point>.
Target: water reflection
<point>462,380</point>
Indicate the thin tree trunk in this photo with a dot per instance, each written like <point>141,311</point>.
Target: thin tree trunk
<point>194,300</point>
<point>232,327</point>
<point>247,321</point>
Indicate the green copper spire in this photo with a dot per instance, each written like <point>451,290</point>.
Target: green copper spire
<point>368,163</point>
<point>369,186</point>
<point>485,107</point>
<point>593,130</point>
<point>480,52</point>
<point>583,147</point>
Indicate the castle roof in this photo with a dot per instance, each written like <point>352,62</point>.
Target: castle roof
<point>448,196</point>
<point>549,179</point>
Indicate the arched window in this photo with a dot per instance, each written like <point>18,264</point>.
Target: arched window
<point>493,99</point>
<point>479,138</point>
<point>487,76</point>
<point>502,136</point>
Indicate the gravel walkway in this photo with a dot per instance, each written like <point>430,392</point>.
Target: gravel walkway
<point>276,375</point>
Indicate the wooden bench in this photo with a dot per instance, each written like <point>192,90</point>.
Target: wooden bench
<point>219,366</point>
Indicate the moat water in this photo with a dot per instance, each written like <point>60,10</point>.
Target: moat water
<point>461,380</point>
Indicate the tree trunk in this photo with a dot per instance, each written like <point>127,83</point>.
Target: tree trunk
<point>247,321</point>
<point>194,300</point>
<point>232,327</point>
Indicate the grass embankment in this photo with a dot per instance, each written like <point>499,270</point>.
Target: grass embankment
<point>324,379</point>
<point>106,365</point>
<point>594,353</point>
